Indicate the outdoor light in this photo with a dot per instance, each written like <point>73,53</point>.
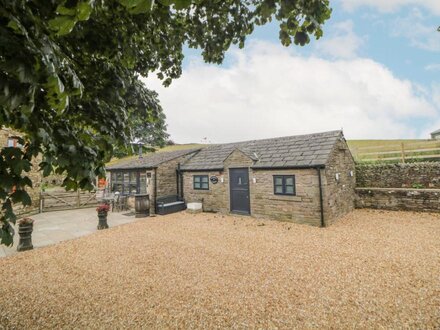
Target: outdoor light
<point>337,176</point>
<point>254,180</point>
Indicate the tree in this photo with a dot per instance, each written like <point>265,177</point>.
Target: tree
<point>70,73</point>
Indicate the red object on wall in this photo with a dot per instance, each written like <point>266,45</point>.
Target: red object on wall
<point>101,183</point>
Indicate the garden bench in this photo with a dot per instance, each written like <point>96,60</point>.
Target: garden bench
<point>170,204</point>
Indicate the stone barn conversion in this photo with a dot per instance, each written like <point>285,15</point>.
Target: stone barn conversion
<point>154,174</point>
<point>304,179</point>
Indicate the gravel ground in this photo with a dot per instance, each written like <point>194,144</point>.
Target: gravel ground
<point>372,269</point>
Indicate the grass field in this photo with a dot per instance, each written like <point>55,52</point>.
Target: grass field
<point>395,150</point>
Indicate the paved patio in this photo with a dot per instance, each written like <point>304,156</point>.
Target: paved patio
<point>54,227</point>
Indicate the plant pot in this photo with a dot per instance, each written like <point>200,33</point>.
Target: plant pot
<point>25,234</point>
<point>102,220</point>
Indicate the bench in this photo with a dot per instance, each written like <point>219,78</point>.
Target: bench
<point>169,204</point>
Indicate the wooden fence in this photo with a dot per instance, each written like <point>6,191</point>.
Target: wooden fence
<point>62,200</point>
<point>403,152</point>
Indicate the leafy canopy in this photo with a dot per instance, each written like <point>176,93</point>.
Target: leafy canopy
<point>70,74</point>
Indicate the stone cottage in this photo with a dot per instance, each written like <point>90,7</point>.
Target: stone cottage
<point>306,179</point>
<point>154,174</point>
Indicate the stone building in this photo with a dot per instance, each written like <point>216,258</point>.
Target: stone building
<point>8,138</point>
<point>435,135</point>
<point>304,179</point>
<point>154,174</point>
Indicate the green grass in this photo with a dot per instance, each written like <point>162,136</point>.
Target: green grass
<point>377,150</point>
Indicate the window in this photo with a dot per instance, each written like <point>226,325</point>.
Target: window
<point>284,185</point>
<point>201,182</point>
<point>129,182</point>
<point>13,142</point>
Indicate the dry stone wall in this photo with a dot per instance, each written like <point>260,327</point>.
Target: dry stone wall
<point>410,175</point>
<point>407,187</point>
<point>399,199</point>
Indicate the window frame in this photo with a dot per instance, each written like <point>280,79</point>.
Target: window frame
<point>283,184</point>
<point>201,182</point>
<point>125,186</point>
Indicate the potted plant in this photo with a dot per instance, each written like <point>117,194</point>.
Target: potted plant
<point>25,228</point>
<point>102,216</point>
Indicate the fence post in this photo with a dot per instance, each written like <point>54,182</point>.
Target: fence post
<point>403,152</point>
<point>40,210</point>
<point>78,197</point>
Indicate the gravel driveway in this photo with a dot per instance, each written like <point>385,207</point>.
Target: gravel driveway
<point>372,269</point>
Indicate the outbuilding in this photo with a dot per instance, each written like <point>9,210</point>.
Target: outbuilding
<point>306,179</point>
<point>154,174</point>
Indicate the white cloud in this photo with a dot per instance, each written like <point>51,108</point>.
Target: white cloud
<point>340,41</point>
<point>432,67</point>
<point>414,28</point>
<point>391,5</point>
<point>270,91</point>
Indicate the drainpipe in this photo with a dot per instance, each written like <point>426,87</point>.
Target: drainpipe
<point>321,200</point>
<point>155,190</point>
<point>178,180</point>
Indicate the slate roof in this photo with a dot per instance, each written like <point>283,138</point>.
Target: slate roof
<point>291,151</point>
<point>149,160</point>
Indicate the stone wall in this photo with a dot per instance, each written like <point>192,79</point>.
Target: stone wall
<point>407,187</point>
<point>399,199</point>
<point>412,175</point>
<point>34,175</point>
<point>167,176</point>
<point>339,183</point>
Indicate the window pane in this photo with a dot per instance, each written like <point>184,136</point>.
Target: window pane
<point>126,188</point>
<point>117,187</point>
<point>126,178</point>
<point>197,185</point>
<point>119,176</point>
<point>204,178</point>
<point>278,180</point>
<point>133,177</point>
<point>196,179</point>
<point>133,188</point>
<point>142,183</point>
<point>205,185</point>
<point>289,190</point>
<point>289,180</point>
<point>278,189</point>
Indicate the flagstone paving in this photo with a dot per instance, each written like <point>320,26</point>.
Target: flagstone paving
<point>54,227</point>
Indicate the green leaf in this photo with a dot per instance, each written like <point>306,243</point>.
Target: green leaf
<point>182,4</point>
<point>84,9</point>
<point>62,25</point>
<point>7,234</point>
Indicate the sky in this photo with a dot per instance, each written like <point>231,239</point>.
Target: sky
<point>375,74</point>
